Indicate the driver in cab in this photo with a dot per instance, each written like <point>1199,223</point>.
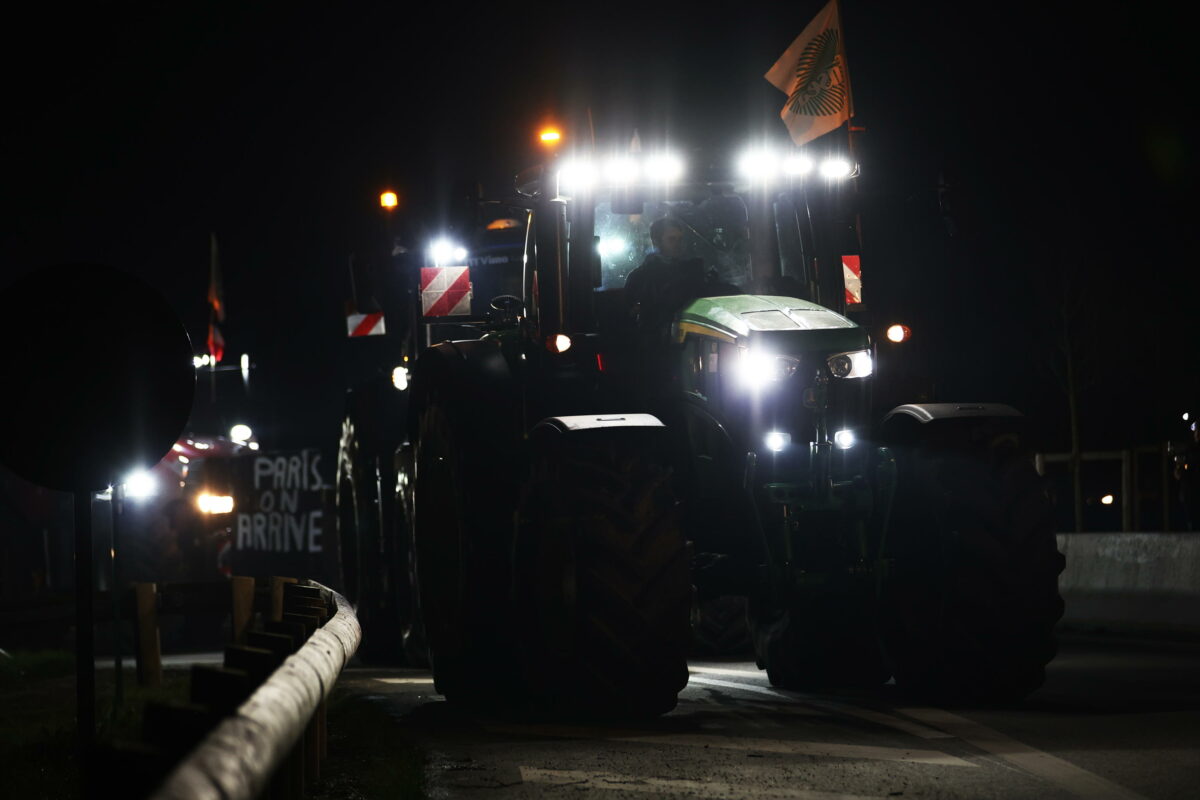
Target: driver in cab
<point>666,280</point>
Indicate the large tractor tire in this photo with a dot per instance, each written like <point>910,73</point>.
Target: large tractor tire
<point>462,520</point>
<point>601,578</point>
<point>370,578</point>
<point>973,601</point>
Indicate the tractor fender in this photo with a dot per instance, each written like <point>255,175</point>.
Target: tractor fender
<point>910,422</point>
<point>591,422</point>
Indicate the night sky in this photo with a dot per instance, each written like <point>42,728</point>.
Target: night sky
<point>1058,140</point>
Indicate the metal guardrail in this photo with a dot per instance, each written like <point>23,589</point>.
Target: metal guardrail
<point>281,724</point>
<point>1130,493</point>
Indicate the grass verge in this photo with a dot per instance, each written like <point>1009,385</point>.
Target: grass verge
<point>37,728</point>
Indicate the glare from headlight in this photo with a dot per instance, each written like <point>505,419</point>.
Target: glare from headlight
<point>576,176</point>
<point>857,364</point>
<point>140,485</point>
<point>400,378</point>
<point>757,370</point>
<point>777,440</point>
<point>796,166</point>
<point>758,165</point>
<point>664,168</point>
<point>836,168</point>
<point>613,246</point>
<point>444,251</point>
<point>621,170</point>
<point>214,503</point>
<point>844,440</point>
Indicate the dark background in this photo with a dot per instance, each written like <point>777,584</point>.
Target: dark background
<point>1019,161</point>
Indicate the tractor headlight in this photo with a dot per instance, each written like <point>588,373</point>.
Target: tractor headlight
<point>756,370</point>
<point>857,364</point>
<point>140,485</point>
<point>214,503</point>
<point>844,439</point>
<point>777,440</point>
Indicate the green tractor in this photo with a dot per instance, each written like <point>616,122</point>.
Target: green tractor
<point>582,472</point>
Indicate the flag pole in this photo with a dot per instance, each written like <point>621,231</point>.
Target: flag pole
<point>852,143</point>
<point>846,66</point>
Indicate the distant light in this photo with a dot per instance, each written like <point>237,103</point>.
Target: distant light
<point>177,447</point>
<point>183,459</point>
<point>253,445</point>
<point>240,433</point>
<point>758,165</point>
<point>664,168</point>
<point>559,343</point>
<point>245,362</point>
<point>214,503</point>
<point>836,168</point>
<point>202,361</point>
<point>199,445</point>
<point>400,378</point>
<point>777,440</point>
<point>550,136</point>
<point>1185,416</point>
<point>388,200</point>
<point>1107,500</point>
<point>899,333</point>
<point>621,170</point>
<point>797,165</point>
<point>613,246</point>
<point>140,484</point>
<point>844,440</point>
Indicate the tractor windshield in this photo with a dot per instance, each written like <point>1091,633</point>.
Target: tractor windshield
<point>713,217</point>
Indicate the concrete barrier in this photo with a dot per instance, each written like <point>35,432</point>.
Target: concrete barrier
<point>1131,582</point>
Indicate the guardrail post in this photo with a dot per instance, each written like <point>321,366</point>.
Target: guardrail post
<point>149,652</point>
<point>243,606</point>
<point>277,594</point>
<point>1165,451</point>
<point>1127,489</point>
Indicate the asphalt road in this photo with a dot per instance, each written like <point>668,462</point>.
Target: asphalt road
<point>1116,719</point>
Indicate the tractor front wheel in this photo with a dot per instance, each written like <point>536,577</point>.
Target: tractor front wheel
<point>973,601</point>
<point>602,592</point>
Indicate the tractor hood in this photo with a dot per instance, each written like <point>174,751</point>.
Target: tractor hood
<point>739,318</point>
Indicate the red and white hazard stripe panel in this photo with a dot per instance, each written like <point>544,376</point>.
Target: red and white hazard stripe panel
<point>852,274</point>
<point>445,291</point>
<point>365,324</point>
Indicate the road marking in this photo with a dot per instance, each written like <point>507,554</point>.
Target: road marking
<point>877,717</point>
<point>745,687</point>
<point>408,681</point>
<point>588,779</point>
<point>784,746</point>
<point>1053,769</point>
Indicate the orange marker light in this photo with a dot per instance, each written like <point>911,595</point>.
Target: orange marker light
<point>388,200</point>
<point>550,137</point>
<point>899,333</point>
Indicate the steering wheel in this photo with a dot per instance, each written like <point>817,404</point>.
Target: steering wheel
<point>508,303</point>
